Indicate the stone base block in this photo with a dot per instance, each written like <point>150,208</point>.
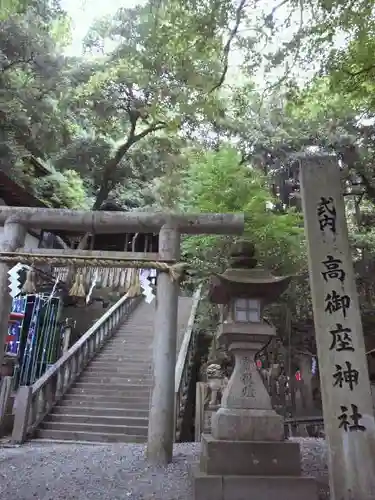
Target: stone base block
<point>257,458</point>
<point>253,487</point>
<point>247,425</point>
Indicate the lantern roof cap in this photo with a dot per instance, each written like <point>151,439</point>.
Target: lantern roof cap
<point>250,276</point>
<point>241,279</point>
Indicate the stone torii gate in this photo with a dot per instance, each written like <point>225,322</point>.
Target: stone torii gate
<point>17,221</point>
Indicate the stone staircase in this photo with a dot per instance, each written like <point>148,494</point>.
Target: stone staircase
<point>110,400</point>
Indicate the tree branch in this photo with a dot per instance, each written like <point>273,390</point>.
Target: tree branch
<point>359,72</point>
<point>233,33</point>
<point>152,128</point>
<point>14,63</point>
<point>296,54</point>
<point>111,165</point>
<point>277,7</point>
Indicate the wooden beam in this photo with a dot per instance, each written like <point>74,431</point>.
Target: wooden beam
<point>121,222</point>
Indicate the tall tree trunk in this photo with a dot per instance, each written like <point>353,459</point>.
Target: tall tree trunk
<point>110,167</point>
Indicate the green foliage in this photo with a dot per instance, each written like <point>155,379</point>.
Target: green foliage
<point>149,119</point>
<point>149,115</point>
<point>62,190</point>
<point>9,7</point>
<point>218,182</point>
<point>31,82</point>
<point>156,80</point>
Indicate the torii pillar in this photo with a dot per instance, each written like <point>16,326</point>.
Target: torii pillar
<point>13,237</point>
<point>162,410</point>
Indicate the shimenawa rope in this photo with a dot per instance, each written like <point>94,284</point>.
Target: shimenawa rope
<point>176,271</point>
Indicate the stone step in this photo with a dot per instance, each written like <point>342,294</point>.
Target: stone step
<point>134,328</point>
<point>120,370</point>
<point>131,364</point>
<point>145,377</point>
<point>127,355</point>
<point>120,363</point>
<point>133,333</point>
<point>68,418</point>
<point>93,437</point>
<point>100,411</point>
<point>102,391</point>
<point>130,339</point>
<point>113,388</point>
<point>117,379</point>
<point>124,341</point>
<point>106,401</point>
<point>132,430</point>
<point>121,359</point>
<point>108,372</point>
<point>124,348</point>
<point>127,352</point>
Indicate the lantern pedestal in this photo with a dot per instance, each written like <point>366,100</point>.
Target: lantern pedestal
<point>247,425</point>
<point>262,467</point>
<point>252,487</point>
<point>250,470</point>
<point>246,413</point>
<point>246,457</point>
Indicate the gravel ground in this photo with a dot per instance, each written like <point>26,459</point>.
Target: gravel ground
<point>51,471</point>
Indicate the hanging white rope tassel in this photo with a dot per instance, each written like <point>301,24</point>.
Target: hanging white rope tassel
<point>93,283</point>
<point>53,289</point>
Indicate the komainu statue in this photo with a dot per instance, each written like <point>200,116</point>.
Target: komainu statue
<point>216,382</point>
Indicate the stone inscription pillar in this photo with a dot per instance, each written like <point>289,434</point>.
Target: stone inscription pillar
<point>12,238</point>
<point>162,411</point>
<point>346,395</point>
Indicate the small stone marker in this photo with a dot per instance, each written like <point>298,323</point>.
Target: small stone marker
<point>345,386</point>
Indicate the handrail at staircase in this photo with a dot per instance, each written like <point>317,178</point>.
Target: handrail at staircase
<point>34,402</point>
<point>185,364</point>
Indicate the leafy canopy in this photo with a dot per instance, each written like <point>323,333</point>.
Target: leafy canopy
<point>218,182</point>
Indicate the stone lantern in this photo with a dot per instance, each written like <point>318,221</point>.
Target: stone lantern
<point>243,291</point>
<point>246,457</point>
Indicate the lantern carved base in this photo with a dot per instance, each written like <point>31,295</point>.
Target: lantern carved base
<point>250,470</point>
<point>246,457</point>
<point>228,487</point>
<point>249,458</point>
<point>247,425</point>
